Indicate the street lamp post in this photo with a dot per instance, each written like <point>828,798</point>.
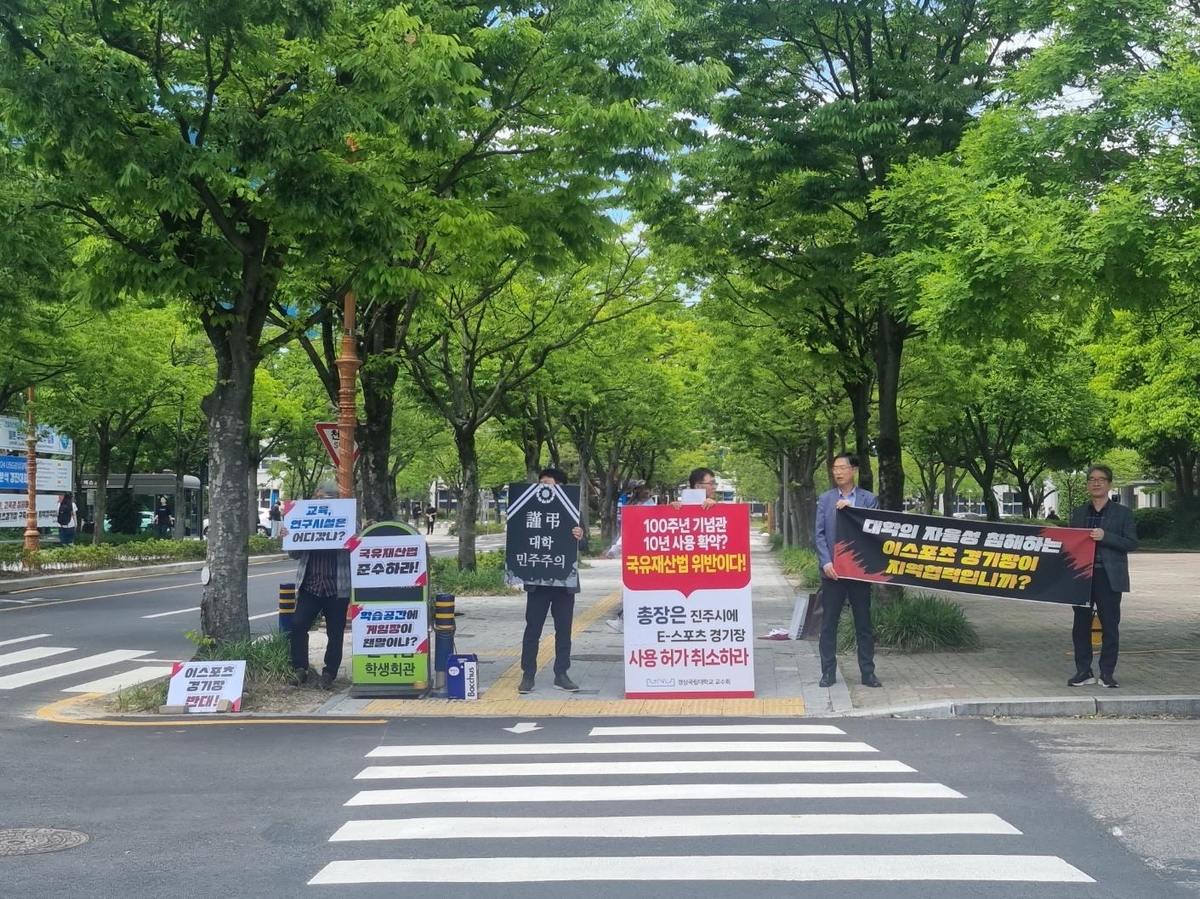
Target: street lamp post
<point>31,513</point>
<point>347,365</point>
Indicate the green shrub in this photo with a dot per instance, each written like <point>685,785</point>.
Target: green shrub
<point>487,578</point>
<point>914,622</point>
<point>123,512</point>
<point>268,662</point>
<point>802,563</point>
<point>1155,524</point>
<point>777,541</point>
<point>268,658</point>
<point>115,554</point>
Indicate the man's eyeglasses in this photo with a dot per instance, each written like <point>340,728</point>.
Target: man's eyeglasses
<point>1097,480</point>
<point>842,468</point>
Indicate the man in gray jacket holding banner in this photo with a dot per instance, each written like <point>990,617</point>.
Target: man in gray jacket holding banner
<point>1111,525</point>
<point>834,590</point>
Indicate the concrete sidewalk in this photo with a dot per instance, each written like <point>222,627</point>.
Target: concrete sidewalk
<point>1022,668</point>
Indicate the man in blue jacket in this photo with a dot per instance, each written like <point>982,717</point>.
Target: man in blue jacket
<point>1111,526</point>
<point>834,590</point>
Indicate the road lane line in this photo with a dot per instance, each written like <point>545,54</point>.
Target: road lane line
<point>680,730</point>
<point>655,792</point>
<point>38,675</point>
<point>613,748</point>
<point>121,681</point>
<point>678,766</point>
<point>176,612</point>
<point>23,639</point>
<point>264,615</point>
<point>663,826</point>
<point>32,655</point>
<point>788,868</point>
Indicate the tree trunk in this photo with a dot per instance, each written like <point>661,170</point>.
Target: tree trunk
<point>103,466</point>
<point>888,351</point>
<point>584,499</point>
<point>859,393</point>
<point>377,498</point>
<point>949,491</point>
<point>223,611</point>
<point>468,502</point>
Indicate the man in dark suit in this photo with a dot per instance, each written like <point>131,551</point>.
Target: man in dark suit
<point>834,590</point>
<point>1111,525</point>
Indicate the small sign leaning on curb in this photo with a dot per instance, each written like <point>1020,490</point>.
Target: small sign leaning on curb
<point>207,686</point>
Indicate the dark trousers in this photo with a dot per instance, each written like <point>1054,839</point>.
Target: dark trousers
<point>1107,603</point>
<point>308,607</point>
<point>560,603</point>
<point>833,597</point>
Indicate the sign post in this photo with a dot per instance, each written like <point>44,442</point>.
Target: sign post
<point>389,613</point>
<point>330,435</point>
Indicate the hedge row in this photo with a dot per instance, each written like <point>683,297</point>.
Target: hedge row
<point>16,562</point>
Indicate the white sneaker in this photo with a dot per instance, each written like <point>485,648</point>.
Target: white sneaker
<point>617,624</point>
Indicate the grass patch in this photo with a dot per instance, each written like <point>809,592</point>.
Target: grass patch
<point>915,622</point>
<point>268,664</point>
<point>801,563</point>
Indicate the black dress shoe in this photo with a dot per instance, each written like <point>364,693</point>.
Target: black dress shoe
<point>871,681</point>
<point>828,680</point>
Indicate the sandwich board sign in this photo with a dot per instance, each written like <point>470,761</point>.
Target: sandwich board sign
<point>389,613</point>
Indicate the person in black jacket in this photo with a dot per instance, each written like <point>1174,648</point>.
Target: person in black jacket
<point>1111,525</point>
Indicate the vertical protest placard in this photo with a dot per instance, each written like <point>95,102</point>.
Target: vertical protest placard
<point>389,612</point>
<point>688,622</point>
<point>539,545</point>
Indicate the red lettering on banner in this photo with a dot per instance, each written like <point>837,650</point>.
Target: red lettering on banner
<point>687,549</point>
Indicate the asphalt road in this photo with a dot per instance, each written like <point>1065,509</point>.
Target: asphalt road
<point>55,640</point>
<point>282,811</point>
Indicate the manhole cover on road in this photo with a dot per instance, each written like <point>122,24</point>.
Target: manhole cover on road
<point>32,840</point>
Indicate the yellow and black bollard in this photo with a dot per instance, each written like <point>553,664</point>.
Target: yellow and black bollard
<point>443,636</point>
<point>287,607</point>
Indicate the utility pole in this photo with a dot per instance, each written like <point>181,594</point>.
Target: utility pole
<point>347,366</point>
<point>32,542</point>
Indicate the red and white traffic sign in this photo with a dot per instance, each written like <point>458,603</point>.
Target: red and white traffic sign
<point>330,436</point>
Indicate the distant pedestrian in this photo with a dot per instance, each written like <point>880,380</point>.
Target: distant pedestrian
<point>275,516</point>
<point>430,518</point>
<point>68,519</point>
<point>639,495</point>
<point>162,517</point>
<point>836,591</point>
<point>1111,525</point>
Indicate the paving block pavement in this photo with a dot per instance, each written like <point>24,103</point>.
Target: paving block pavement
<point>1021,669</point>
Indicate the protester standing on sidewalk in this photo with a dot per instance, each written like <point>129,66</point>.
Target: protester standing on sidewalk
<point>322,588</point>
<point>275,516</point>
<point>559,601</point>
<point>1111,525</point>
<point>834,590</point>
<point>430,518</point>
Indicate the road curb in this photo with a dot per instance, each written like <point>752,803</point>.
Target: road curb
<point>1061,707</point>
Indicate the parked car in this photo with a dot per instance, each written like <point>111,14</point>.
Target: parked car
<point>264,524</point>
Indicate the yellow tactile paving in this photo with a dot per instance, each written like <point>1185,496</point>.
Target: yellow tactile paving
<point>585,708</point>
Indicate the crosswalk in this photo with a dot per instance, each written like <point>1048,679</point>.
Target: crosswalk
<point>483,813</point>
<point>25,663</point>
